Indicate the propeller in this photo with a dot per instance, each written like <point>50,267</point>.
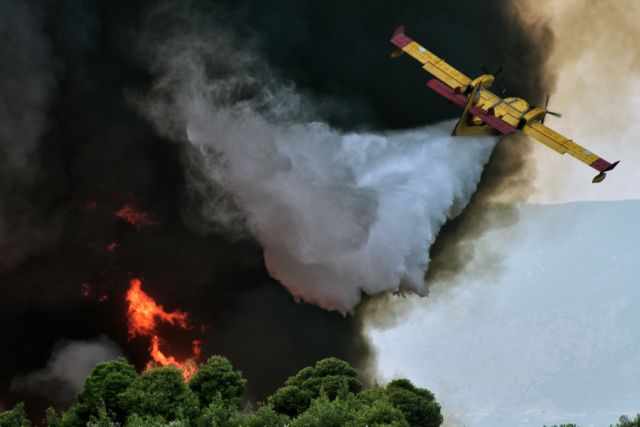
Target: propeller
<point>495,74</point>
<point>553,113</point>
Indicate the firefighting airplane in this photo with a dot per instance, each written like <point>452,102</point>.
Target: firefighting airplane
<point>487,113</point>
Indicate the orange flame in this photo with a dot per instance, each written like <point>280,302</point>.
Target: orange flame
<point>188,367</point>
<point>143,314</point>
<point>135,217</point>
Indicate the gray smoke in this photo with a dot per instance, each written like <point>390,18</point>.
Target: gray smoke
<point>337,214</point>
<point>67,369</point>
<point>27,80</point>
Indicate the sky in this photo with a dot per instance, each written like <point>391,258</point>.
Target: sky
<point>554,338</point>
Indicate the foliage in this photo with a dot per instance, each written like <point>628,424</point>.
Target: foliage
<point>625,421</point>
<point>219,413</point>
<point>265,416</point>
<point>101,390</point>
<point>51,418</point>
<point>16,417</point>
<point>418,405</point>
<point>381,413</point>
<point>160,392</point>
<point>217,377</point>
<point>329,376</point>
<point>324,412</point>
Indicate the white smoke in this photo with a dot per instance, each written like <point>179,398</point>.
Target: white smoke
<point>337,213</point>
<point>67,369</point>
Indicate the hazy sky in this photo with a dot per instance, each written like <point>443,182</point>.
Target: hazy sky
<point>555,338</point>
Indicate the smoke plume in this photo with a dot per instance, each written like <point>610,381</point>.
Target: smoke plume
<point>600,71</point>
<point>66,370</point>
<point>27,80</point>
<point>337,213</point>
<point>313,83</point>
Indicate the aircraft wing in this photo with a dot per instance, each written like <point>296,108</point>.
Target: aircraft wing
<point>559,143</point>
<point>431,63</point>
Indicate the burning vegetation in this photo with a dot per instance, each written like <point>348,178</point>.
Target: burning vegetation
<point>143,316</point>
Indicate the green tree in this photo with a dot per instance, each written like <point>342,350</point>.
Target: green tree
<point>418,405</point>
<point>16,417</point>
<point>625,421</point>
<point>101,390</point>
<point>160,392</point>
<point>136,420</point>
<point>217,376</point>
<point>329,375</point>
<point>102,420</point>
<point>380,413</point>
<point>219,414</point>
<point>265,416</point>
<point>51,418</point>
<point>323,412</point>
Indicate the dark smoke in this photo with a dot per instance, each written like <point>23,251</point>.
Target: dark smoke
<point>94,152</point>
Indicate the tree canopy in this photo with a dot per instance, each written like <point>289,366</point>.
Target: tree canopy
<point>326,394</point>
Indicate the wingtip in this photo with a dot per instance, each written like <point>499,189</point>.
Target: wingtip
<point>612,167</point>
<point>399,30</point>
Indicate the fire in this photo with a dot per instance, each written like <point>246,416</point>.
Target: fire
<point>143,312</point>
<point>143,315</point>
<point>135,217</point>
<point>188,367</point>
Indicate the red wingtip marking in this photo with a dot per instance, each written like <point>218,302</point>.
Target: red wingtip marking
<point>600,164</point>
<point>399,38</point>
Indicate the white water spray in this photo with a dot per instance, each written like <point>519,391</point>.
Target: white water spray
<point>337,214</point>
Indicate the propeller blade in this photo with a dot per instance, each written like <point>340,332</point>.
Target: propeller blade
<point>484,69</point>
<point>553,113</point>
<point>498,71</point>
